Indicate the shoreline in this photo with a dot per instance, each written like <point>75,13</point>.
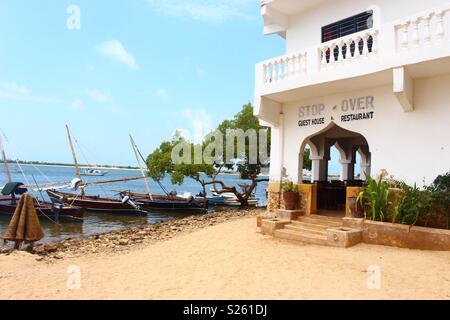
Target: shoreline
<point>224,257</point>
<point>104,168</point>
<point>73,166</point>
<point>127,239</point>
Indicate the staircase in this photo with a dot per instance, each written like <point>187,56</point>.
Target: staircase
<point>309,229</point>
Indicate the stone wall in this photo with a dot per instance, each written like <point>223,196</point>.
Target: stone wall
<point>307,197</point>
<point>402,236</point>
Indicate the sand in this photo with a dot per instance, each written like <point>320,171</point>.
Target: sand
<point>232,261</point>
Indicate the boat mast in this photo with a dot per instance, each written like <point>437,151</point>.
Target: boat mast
<point>74,157</point>
<point>5,162</point>
<point>140,167</point>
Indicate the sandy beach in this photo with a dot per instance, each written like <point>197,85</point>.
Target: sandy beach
<point>231,260</point>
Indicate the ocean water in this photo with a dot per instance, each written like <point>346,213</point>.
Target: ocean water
<point>101,222</point>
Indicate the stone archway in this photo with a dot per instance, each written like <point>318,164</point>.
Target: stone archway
<point>331,195</point>
<point>348,144</point>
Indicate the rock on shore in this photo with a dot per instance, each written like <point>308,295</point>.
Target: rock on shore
<point>125,239</point>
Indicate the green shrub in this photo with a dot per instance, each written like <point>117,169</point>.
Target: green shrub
<point>415,204</point>
<point>427,208</point>
<point>289,186</point>
<point>374,198</point>
<point>438,214</point>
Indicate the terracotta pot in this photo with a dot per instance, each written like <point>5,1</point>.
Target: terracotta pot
<point>291,200</point>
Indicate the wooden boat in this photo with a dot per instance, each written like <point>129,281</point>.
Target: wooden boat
<point>8,204</point>
<point>164,203</point>
<point>98,204</point>
<point>231,200</point>
<point>215,200</point>
<point>95,203</point>
<point>93,172</point>
<point>157,202</point>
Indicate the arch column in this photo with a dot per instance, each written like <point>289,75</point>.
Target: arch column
<point>319,168</point>
<point>347,159</point>
<point>347,169</point>
<point>365,162</point>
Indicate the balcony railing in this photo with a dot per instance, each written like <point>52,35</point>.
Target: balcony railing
<point>284,67</point>
<point>421,30</point>
<point>349,48</point>
<point>381,46</point>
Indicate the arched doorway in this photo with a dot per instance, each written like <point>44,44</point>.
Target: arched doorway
<point>331,189</point>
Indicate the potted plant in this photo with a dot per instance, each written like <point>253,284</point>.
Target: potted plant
<point>291,195</point>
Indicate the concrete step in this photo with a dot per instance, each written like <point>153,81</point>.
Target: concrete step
<point>314,225</point>
<point>333,222</point>
<point>322,217</point>
<point>289,234</point>
<point>306,230</point>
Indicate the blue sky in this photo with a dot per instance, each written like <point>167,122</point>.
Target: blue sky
<point>145,67</point>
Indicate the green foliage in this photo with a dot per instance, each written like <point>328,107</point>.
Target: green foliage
<point>429,207</point>
<point>440,201</point>
<point>245,120</point>
<point>414,203</point>
<point>307,163</point>
<point>159,163</point>
<point>289,186</point>
<point>374,198</point>
<point>441,183</point>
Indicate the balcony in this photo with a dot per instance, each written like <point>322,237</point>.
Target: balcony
<point>419,38</point>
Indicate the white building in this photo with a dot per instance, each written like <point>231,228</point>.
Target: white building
<point>371,77</point>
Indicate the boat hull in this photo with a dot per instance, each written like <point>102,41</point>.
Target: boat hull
<point>43,210</point>
<point>148,204</point>
<point>96,204</point>
<point>167,203</point>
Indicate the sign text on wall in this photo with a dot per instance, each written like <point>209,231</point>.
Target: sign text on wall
<point>351,109</point>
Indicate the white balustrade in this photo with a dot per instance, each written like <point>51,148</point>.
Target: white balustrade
<point>284,67</point>
<point>349,48</point>
<point>421,30</point>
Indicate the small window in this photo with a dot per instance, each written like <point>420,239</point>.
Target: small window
<point>345,27</point>
<point>342,28</point>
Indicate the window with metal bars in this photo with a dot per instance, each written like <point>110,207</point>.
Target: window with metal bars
<point>342,28</point>
<point>345,27</point>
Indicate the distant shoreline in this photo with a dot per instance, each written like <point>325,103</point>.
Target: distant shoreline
<point>101,167</point>
<point>98,167</point>
<point>72,166</point>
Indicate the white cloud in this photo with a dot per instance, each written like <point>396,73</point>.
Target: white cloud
<point>77,105</point>
<point>100,96</point>
<point>212,11</point>
<point>200,71</point>
<point>201,123</point>
<point>19,92</point>
<point>104,98</point>
<point>162,94</point>
<point>115,50</point>
<point>186,134</point>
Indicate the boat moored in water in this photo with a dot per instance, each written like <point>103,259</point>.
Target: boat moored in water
<point>230,199</point>
<point>166,203</point>
<point>97,203</point>
<point>93,172</point>
<point>57,210</point>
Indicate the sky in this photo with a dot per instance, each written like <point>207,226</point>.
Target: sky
<point>113,68</point>
<point>140,67</point>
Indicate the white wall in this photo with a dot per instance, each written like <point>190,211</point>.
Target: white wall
<point>410,145</point>
<point>305,29</point>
